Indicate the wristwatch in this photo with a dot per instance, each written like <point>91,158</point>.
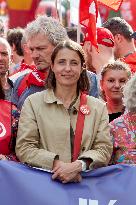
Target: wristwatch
<point>84,166</point>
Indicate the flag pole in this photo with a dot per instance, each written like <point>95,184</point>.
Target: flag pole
<point>78,32</point>
<point>59,10</point>
<point>78,26</point>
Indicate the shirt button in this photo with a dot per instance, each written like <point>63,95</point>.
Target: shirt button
<point>74,112</point>
<point>83,149</point>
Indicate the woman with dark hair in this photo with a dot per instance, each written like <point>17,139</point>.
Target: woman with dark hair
<point>62,129</point>
<point>8,127</point>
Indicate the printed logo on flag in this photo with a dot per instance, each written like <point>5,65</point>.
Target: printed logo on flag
<point>2,130</point>
<point>93,202</point>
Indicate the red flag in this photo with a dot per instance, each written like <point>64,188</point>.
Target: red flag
<point>88,12</point>
<point>113,4</point>
<point>5,126</point>
<point>128,12</point>
<point>21,12</point>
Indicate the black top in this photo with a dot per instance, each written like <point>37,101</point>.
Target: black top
<point>113,116</point>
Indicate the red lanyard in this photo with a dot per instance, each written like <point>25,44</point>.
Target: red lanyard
<point>84,110</point>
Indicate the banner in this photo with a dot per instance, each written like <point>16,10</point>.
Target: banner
<point>21,12</point>
<point>21,185</point>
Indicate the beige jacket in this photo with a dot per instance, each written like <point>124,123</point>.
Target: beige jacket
<point>44,131</point>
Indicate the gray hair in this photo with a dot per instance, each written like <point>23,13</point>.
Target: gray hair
<point>48,26</point>
<point>4,42</point>
<point>129,93</point>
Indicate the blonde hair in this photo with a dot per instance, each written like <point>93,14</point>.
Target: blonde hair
<point>115,65</point>
<point>130,94</point>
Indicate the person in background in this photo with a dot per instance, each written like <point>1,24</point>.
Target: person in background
<point>48,134</point>
<point>124,41</point>
<point>8,127</point>
<point>72,34</point>
<point>2,29</point>
<point>5,61</point>
<point>95,59</point>
<point>93,91</point>
<point>114,76</point>
<point>26,52</point>
<point>123,129</point>
<point>14,37</point>
<point>8,112</point>
<point>26,64</point>
<point>41,35</point>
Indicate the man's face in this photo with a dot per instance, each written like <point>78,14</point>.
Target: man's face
<point>41,50</point>
<point>116,50</point>
<point>4,59</point>
<point>118,42</point>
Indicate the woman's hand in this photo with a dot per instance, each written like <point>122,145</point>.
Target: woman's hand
<point>67,172</point>
<point>2,157</point>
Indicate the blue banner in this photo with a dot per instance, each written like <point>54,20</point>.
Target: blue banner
<point>22,185</point>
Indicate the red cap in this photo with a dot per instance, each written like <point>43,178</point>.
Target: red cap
<point>104,37</point>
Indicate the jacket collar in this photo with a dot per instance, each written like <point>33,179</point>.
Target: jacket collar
<point>10,82</point>
<point>50,98</point>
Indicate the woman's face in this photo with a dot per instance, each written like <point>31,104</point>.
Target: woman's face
<point>113,83</point>
<point>67,67</point>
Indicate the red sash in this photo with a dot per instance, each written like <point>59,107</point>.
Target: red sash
<point>84,110</point>
<point>5,126</point>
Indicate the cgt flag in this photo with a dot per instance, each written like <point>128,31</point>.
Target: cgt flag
<point>21,12</point>
<point>113,4</point>
<point>5,126</point>
<point>113,185</point>
<point>88,12</point>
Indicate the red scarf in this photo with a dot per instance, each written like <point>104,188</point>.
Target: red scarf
<point>83,111</point>
<point>37,78</point>
<point>25,66</point>
<point>34,78</point>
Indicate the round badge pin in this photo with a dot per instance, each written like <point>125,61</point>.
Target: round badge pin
<point>85,109</point>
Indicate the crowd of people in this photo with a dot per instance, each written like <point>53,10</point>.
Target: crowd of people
<point>67,107</point>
